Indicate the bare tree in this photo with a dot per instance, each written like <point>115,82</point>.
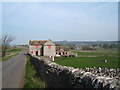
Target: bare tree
<point>6,40</point>
<point>14,47</point>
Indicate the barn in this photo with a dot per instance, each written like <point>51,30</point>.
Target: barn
<point>42,48</point>
<point>62,50</point>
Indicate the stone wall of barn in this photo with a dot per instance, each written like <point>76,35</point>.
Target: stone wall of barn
<point>49,48</point>
<point>33,49</point>
<point>57,76</point>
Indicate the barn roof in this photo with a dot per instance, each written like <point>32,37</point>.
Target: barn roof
<point>62,48</point>
<point>39,42</point>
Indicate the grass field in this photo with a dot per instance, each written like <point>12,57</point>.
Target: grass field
<point>32,80</point>
<point>82,62</point>
<point>98,53</point>
<point>106,50</point>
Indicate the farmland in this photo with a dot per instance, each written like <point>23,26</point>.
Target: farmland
<point>82,62</point>
<point>98,52</point>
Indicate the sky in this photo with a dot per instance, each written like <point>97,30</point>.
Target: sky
<point>72,21</point>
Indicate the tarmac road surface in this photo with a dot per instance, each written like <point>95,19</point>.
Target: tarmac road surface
<point>13,71</point>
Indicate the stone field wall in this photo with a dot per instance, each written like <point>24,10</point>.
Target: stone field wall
<point>57,76</point>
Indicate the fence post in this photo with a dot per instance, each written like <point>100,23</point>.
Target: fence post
<point>52,58</point>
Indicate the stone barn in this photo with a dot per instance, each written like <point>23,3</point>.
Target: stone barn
<point>42,48</point>
<point>62,50</point>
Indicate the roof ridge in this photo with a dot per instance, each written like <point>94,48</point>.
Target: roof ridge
<point>37,42</point>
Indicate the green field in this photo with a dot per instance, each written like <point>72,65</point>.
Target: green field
<point>82,62</point>
<point>106,50</point>
<point>98,53</point>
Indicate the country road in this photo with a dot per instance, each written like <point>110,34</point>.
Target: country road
<point>13,71</point>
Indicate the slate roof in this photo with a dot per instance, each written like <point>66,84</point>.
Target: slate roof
<point>62,48</point>
<point>33,42</point>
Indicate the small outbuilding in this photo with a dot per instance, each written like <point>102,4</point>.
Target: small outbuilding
<point>62,50</point>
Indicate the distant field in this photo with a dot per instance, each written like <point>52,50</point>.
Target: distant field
<point>10,53</point>
<point>15,50</point>
<point>7,57</point>
<point>107,50</point>
<point>82,62</point>
<point>98,52</point>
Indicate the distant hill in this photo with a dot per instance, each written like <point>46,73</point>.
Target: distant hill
<point>85,42</point>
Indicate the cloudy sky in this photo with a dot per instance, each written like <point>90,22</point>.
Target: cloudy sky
<point>73,21</point>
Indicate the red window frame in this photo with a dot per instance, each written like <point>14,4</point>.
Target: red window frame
<point>49,46</point>
<point>36,46</point>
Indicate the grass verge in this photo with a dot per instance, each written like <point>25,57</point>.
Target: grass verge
<point>32,79</point>
<point>15,50</point>
<point>6,58</point>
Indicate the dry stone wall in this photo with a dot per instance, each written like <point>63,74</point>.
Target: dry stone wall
<point>57,76</point>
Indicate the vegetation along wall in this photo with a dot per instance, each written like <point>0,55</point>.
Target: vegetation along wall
<point>57,76</point>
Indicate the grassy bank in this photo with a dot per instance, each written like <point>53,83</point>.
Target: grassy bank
<point>32,79</point>
<point>82,62</point>
<point>8,57</point>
